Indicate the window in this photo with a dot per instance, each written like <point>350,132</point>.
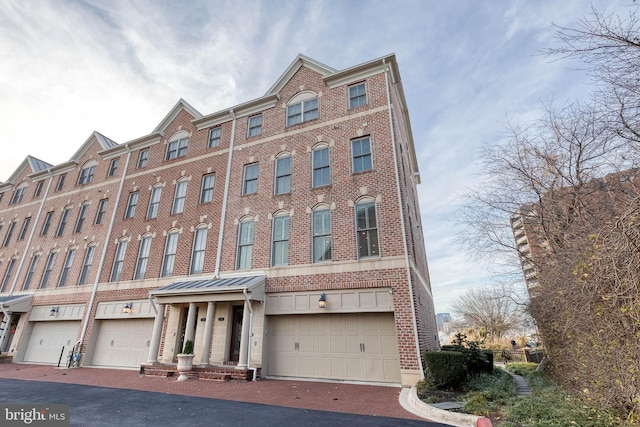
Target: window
<point>321,235</point>
<point>63,221</point>
<point>47,223</point>
<point>60,183</point>
<point>86,265</point>
<point>321,171</point>
<point>51,260</point>
<point>131,205</point>
<point>302,111</point>
<point>7,275</point>
<point>154,202</point>
<point>143,157</point>
<point>357,95</point>
<point>121,251</point>
<point>102,208</point>
<point>170,249</point>
<point>361,150</point>
<point>82,215</point>
<point>113,167</point>
<point>214,137</point>
<point>199,247</point>
<point>32,269</point>
<point>38,189</point>
<point>179,197</point>
<point>250,181</point>
<point>68,262</point>
<point>143,258</point>
<point>367,230</point>
<point>245,245</point>
<point>86,174</point>
<point>25,227</point>
<point>7,237</point>
<point>283,175</point>
<point>206,191</point>
<point>280,243</point>
<point>255,125</point>
<point>18,194</point>
<point>177,149</point>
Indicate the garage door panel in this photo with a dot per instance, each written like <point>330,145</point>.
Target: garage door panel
<point>122,342</point>
<point>47,339</point>
<point>360,347</point>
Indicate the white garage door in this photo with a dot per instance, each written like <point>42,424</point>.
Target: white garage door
<point>361,347</point>
<point>47,340</point>
<point>122,343</point>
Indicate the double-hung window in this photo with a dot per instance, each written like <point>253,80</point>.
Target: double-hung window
<point>48,219</point>
<point>250,181</point>
<point>113,167</point>
<point>60,184</point>
<point>143,258</point>
<point>63,221</point>
<point>143,158</point>
<point>280,243</point>
<point>18,194</point>
<point>82,215</point>
<point>255,125</point>
<point>51,260</point>
<point>206,190</point>
<point>170,249</point>
<point>7,237</point>
<point>7,275</point>
<point>102,209</point>
<point>32,270</point>
<point>177,149</point>
<point>68,262</point>
<point>131,205</point>
<point>154,202</point>
<point>302,111</point>
<point>283,175</point>
<point>199,248</point>
<point>38,189</point>
<point>25,227</point>
<point>321,171</point>
<point>86,265</point>
<point>357,95</point>
<point>214,137</point>
<point>367,230</point>
<point>121,251</point>
<point>245,245</point>
<point>179,197</point>
<point>321,235</point>
<point>361,152</point>
<point>86,174</point>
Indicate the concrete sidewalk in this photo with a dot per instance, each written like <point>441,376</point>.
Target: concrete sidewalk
<point>336,397</point>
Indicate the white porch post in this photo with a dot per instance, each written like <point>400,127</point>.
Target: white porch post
<point>208,331</point>
<point>154,347</point>
<point>244,338</point>
<point>191,323</point>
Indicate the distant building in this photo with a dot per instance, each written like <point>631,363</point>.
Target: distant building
<point>282,236</point>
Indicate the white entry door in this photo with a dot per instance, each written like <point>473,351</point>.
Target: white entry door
<point>122,343</point>
<point>47,340</point>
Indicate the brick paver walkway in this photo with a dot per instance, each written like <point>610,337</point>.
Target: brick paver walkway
<point>337,397</point>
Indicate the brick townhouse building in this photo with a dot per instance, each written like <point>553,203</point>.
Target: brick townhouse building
<point>281,235</point>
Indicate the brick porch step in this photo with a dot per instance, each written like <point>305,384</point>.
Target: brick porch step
<point>214,376</point>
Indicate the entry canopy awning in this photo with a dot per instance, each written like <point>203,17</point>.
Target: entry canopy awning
<point>212,289</point>
<point>15,303</point>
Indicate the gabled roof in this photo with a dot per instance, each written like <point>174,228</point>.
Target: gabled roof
<point>95,136</point>
<point>180,105</point>
<point>36,165</point>
<point>300,61</point>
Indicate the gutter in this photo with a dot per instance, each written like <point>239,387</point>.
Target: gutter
<point>225,197</point>
<point>402,223</point>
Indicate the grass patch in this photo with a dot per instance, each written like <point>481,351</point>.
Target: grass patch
<point>489,392</point>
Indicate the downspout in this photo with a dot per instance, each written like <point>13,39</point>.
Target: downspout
<point>104,251</point>
<point>33,229</point>
<point>246,298</point>
<point>402,223</point>
<point>225,196</point>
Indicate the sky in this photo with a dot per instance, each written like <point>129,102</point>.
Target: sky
<point>69,68</point>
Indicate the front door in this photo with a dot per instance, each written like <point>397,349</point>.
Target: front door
<point>236,334</point>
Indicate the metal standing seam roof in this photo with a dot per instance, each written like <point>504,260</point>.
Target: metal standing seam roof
<point>13,298</point>
<point>221,285</point>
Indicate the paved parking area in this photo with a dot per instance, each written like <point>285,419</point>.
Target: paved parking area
<point>372,400</point>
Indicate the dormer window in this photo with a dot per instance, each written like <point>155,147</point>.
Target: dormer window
<point>302,107</point>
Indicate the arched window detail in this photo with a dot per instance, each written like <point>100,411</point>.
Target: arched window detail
<point>170,250</point>
<point>177,146</point>
<point>302,108</point>
<point>280,240</point>
<point>366,228</point>
<point>320,165</point>
<point>283,173</point>
<point>245,243</point>
<point>143,257</point>
<point>87,172</point>
<point>199,249</point>
<point>118,261</point>
<point>321,233</point>
<point>18,193</point>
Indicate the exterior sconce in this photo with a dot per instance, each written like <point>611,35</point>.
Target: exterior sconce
<point>322,302</point>
<point>54,311</point>
<point>126,309</point>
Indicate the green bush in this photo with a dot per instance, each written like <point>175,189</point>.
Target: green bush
<point>188,347</point>
<point>446,369</point>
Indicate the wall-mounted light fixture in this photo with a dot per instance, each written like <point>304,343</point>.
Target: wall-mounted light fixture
<point>322,302</point>
<point>126,309</point>
<point>54,311</point>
